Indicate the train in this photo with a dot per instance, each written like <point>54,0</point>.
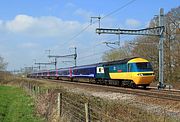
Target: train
<point>132,72</point>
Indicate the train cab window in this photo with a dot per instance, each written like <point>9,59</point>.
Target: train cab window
<point>144,66</point>
<point>99,69</point>
<point>139,67</point>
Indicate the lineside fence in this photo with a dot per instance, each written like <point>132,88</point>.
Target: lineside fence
<point>57,105</point>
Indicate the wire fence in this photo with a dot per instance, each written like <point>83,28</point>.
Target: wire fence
<point>59,105</point>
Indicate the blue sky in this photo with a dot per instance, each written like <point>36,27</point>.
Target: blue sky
<point>29,27</point>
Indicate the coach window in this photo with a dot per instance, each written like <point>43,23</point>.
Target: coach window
<point>89,71</point>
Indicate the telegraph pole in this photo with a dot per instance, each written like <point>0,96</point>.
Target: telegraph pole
<point>55,63</point>
<point>161,51</point>
<point>33,68</point>
<point>119,41</point>
<point>49,51</point>
<point>74,56</point>
<point>99,20</point>
<point>42,63</point>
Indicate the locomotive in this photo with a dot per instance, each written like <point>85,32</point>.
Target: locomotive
<point>131,72</point>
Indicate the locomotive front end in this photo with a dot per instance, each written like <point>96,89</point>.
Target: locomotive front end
<point>141,71</point>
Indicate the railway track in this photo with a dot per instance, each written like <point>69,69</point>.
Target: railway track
<point>150,92</point>
<point>167,91</point>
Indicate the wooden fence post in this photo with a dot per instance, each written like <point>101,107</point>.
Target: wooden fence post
<point>59,104</point>
<point>37,89</point>
<point>87,112</point>
<point>34,89</point>
<point>47,91</point>
<point>30,88</point>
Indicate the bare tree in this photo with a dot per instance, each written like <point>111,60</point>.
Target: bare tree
<point>118,53</point>
<point>3,64</point>
<point>171,45</point>
<point>147,47</point>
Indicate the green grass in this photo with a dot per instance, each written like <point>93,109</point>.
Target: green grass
<point>16,106</point>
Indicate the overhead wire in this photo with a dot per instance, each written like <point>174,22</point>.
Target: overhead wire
<point>93,46</point>
<point>75,36</point>
<point>94,54</point>
<point>85,28</point>
<point>118,9</point>
<point>90,55</point>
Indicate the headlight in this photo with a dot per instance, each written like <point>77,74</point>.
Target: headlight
<point>140,74</point>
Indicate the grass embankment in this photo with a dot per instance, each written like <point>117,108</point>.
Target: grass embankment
<point>16,106</point>
<point>73,103</point>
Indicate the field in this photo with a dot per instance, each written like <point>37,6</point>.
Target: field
<point>16,106</point>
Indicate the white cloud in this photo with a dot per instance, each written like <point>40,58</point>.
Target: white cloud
<point>133,23</point>
<point>27,37</point>
<point>43,27</point>
<point>20,23</point>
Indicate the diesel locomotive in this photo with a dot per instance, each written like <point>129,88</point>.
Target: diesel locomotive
<point>131,72</point>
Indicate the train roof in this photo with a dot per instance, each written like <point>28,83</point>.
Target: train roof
<point>108,63</point>
<point>121,61</point>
